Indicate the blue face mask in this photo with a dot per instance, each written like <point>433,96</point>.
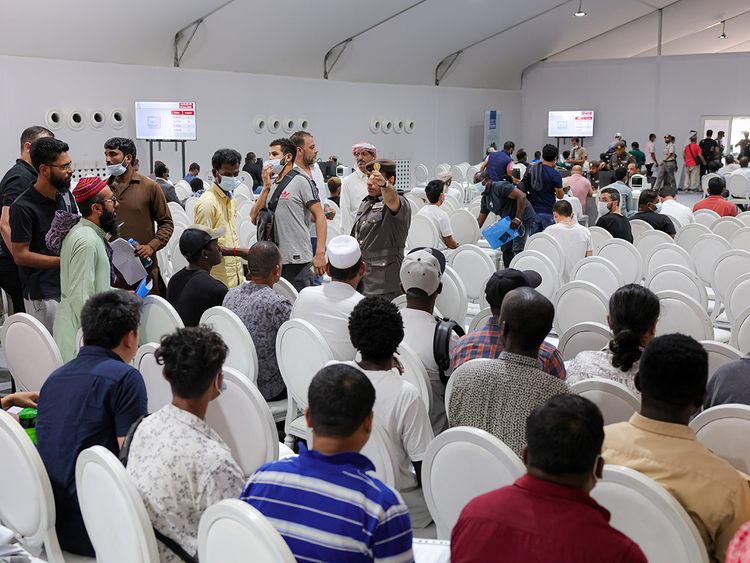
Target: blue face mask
<point>229,183</point>
<point>658,207</point>
<point>117,169</point>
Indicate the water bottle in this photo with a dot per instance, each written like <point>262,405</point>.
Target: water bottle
<point>147,262</point>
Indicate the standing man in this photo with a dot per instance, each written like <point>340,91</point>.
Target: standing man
<point>161,173</point>
<point>543,186</point>
<point>669,164</point>
<point>695,163</point>
<point>578,155</point>
<point>709,150</point>
<point>30,219</point>
<point>85,268</point>
<point>216,209</point>
<point>580,186</point>
<point>651,159</point>
<point>499,163</point>
<point>141,204</point>
<point>354,186</point>
<point>253,168</point>
<point>638,155</point>
<point>381,226</point>
<point>17,180</point>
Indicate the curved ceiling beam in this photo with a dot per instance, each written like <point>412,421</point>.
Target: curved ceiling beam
<point>338,49</point>
<point>447,63</point>
<point>195,25</point>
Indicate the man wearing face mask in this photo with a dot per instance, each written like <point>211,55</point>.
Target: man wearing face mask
<point>141,204</point>
<point>648,210</point>
<point>354,186</point>
<point>381,226</point>
<point>85,267</point>
<point>610,217</point>
<point>216,209</point>
<point>31,216</point>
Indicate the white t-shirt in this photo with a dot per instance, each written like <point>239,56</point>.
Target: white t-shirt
<point>353,191</point>
<point>440,217</point>
<point>682,212</point>
<point>650,148</point>
<point>328,307</point>
<point>575,241</point>
<point>575,203</point>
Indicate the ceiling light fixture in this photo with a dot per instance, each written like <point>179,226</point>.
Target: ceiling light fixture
<point>580,13</point>
<point>723,30</point>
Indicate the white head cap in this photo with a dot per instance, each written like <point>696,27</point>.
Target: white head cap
<point>343,252</point>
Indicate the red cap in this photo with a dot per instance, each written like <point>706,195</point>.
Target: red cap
<point>88,187</point>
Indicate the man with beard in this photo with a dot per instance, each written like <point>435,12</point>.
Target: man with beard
<point>354,186</point>
<point>31,216</point>
<point>85,268</point>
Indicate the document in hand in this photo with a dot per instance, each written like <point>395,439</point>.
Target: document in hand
<point>126,262</point>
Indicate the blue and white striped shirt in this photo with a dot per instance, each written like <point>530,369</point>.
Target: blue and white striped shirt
<point>327,508</point>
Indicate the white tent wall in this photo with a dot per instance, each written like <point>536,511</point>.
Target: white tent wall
<point>448,120</point>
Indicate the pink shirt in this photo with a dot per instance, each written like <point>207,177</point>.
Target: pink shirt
<point>580,187</point>
<point>717,203</point>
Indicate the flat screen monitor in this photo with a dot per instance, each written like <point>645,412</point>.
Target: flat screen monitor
<point>165,121</point>
<point>571,123</point>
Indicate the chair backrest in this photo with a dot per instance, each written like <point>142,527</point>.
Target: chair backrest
<point>705,179</point>
<point>241,416</point>
<point>688,234</point>
<point>177,260</point>
<point>474,266</point>
<point>738,186</point>
<point>706,217</point>
<point>480,319</point>
<point>678,278</point>
<point>550,247</point>
<point>729,266</point>
<point>667,253</point>
<point>177,211</point>
<point>614,399</point>
<point>422,232</point>
<point>301,351</point>
<point>719,354</point>
<point>22,334</point>
<point>740,337</point>
<point>158,390</point>
<point>190,208</point>
<point>285,288</point>
<point>705,251</point>
<point>649,515</point>
<point>461,464</point>
<point>27,505</point>
<point>625,256</point>
<point>737,297</point>
<point>242,355</point>
<point>583,337</point>
<point>244,188</point>
<point>113,511</point>
<point>244,209</point>
<point>415,372</point>
<point>680,313</point>
<point>675,222</point>
<point>741,237</point>
<point>726,226</point>
<point>539,263</point>
<point>599,236</point>
<point>452,300</point>
<point>599,271</point>
<point>723,429</point>
<point>579,302</point>
<point>465,227</point>
<point>158,318</point>
<point>650,239</point>
<point>377,451</point>
<point>231,529</point>
<point>639,228</point>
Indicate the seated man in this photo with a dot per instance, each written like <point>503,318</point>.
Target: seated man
<point>572,200</point>
<point>670,206</point>
<point>178,463</point>
<point>715,200</point>
<point>627,204</point>
<point>729,166</point>
<point>263,311</point>
<point>610,217</point>
<point>658,442</point>
<point>328,306</point>
<point>421,275</point>
<point>498,395</point>
<point>376,330</point>
<point>574,239</point>
<point>345,514</point>
<point>90,401</point>
<point>729,384</point>
<point>334,186</point>
<point>434,212</point>
<point>649,211</point>
<point>486,343</point>
<point>192,290</point>
<point>548,514</point>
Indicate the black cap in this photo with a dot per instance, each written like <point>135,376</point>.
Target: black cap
<point>504,281</point>
<point>196,237</point>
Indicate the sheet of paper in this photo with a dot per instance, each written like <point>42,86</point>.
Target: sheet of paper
<point>431,551</point>
<point>126,262</point>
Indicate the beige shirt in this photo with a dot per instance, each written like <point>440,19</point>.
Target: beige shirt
<point>714,493</point>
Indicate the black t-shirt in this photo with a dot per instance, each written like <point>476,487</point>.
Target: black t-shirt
<point>193,292</point>
<point>255,172</point>
<point>657,221</point>
<point>17,180</point>
<point>30,218</point>
<point>617,225</point>
<point>708,147</point>
<point>496,199</point>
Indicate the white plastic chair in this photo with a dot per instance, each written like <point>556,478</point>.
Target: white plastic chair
<point>480,319</point>
<point>723,429</point>
<point>158,318</point>
<point>740,338</point>
<point>625,256</point>
<point>705,179</point>
<point>246,233</point>
<point>667,254</point>
<point>727,267</point>
<point>242,355</point>
<point>536,261</point>
<point>551,248</point>
<point>79,339</point>
<point>726,226</point>
<point>377,451</point>
<point>675,222</point>
<point>452,300</point>
<point>231,529</point>
<point>744,217</point>
<point>158,390</point>
<point>706,217</point>
<point>719,354</point>
<point>31,353</point>
<point>421,174</point>
<point>678,278</point>
<point>614,399</point>
<point>583,337</point>
<point>649,240</point>
<point>422,233</point>
<point>474,267</point>
<point>680,313</point>
<point>741,237</point>
<point>737,297</point>
<point>600,272</point>
<point>178,212</point>
<point>599,236</point>
<point>113,511</point>
<point>579,302</point>
<point>639,228</point>
<point>190,208</point>
<point>650,516</point>
<point>285,288</point>
<point>688,234</point>
<point>738,187</point>
<point>461,464</point>
<point>706,250</point>
<point>465,227</point>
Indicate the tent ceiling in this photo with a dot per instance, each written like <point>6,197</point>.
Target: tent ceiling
<point>292,38</point>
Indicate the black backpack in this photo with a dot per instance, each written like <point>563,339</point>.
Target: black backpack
<point>441,342</point>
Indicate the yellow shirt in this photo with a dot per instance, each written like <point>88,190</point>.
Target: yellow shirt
<point>214,209</point>
<point>714,493</point>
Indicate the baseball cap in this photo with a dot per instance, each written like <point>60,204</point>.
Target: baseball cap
<point>343,252</point>
<point>196,237</point>
<point>422,269</point>
<point>504,281</point>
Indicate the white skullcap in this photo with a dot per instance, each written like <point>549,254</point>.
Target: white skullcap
<point>363,146</point>
<point>565,182</point>
<point>343,252</point>
<point>445,176</point>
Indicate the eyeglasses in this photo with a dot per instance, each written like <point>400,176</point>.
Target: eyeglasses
<point>66,167</point>
<point>112,199</point>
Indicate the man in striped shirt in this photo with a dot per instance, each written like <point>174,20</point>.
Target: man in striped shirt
<point>323,502</point>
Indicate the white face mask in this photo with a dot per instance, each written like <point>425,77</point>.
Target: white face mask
<point>229,183</point>
<point>602,207</point>
<point>276,166</point>
<point>117,169</point>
